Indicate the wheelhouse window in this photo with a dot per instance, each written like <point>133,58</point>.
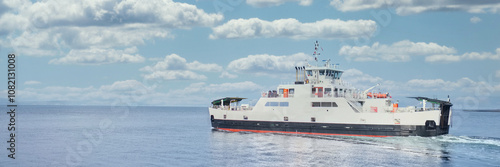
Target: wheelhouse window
<point>321,72</point>
<point>328,91</point>
<point>309,73</point>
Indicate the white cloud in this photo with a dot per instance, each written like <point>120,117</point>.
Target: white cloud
<point>49,42</point>
<point>40,43</point>
<point>170,62</point>
<point>166,13</point>
<point>269,3</point>
<point>226,74</point>
<point>175,75</point>
<point>174,67</point>
<point>11,22</point>
<point>475,19</point>
<point>363,81</point>
<point>204,88</point>
<point>32,82</point>
<point>195,65</point>
<point>443,58</point>
<point>498,74</point>
<point>463,84</point>
<point>292,28</point>
<point>99,56</point>
<point>415,6</point>
<point>397,52</point>
<point>465,56</point>
<point>412,87</point>
<point>265,64</point>
<point>176,62</point>
<point>53,27</point>
<point>124,86</point>
<point>355,76</point>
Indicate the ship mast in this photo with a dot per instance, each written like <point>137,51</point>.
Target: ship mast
<point>316,52</point>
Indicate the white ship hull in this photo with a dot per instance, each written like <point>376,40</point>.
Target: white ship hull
<point>299,117</point>
<point>320,102</point>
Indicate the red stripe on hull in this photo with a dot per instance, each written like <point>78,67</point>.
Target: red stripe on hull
<point>307,133</point>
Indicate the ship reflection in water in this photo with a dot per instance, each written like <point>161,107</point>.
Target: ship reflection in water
<point>232,148</point>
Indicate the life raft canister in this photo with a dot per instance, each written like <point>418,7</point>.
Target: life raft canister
<point>395,107</point>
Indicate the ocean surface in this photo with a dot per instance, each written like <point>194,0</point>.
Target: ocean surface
<point>182,136</point>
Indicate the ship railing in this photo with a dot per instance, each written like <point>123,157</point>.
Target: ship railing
<point>233,108</point>
<point>415,109</point>
<point>239,108</point>
<point>420,109</point>
<point>358,96</point>
<point>276,95</point>
<point>405,109</point>
<point>388,109</point>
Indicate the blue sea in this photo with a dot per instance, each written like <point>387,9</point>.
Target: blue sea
<point>182,136</point>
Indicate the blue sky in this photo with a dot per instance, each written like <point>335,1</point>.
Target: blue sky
<point>188,53</point>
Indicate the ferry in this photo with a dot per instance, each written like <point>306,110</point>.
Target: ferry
<point>319,102</point>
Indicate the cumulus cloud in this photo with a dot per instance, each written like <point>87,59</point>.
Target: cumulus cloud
<point>356,76</point>
<point>475,19</point>
<point>54,27</point>
<point>268,3</point>
<point>292,28</point>
<point>466,56</point>
<point>195,65</point>
<point>51,41</point>
<point>265,64</point>
<point>226,74</point>
<point>415,6</point>
<point>397,52</point>
<point>174,67</point>
<point>167,13</point>
<point>97,56</point>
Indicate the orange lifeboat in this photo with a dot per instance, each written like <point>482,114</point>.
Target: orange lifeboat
<point>377,95</point>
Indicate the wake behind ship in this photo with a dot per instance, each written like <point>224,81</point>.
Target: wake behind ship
<point>319,102</point>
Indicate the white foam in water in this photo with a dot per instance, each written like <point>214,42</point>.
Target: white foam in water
<point>468,140</point>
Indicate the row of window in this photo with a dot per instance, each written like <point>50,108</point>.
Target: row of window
<point>277,104</point>
<point>314,104</point>
<point>324,104</point>
<point>313,119</point>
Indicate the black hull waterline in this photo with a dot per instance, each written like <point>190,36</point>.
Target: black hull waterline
<point>316,128</point>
